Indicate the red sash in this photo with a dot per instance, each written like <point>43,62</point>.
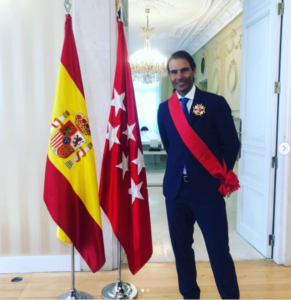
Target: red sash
<point>228,180</point>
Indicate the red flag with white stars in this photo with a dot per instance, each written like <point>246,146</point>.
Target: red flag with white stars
<point>123,185</point>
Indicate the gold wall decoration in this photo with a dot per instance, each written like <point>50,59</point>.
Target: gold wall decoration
<point>215,81</point>
<point>216,51</point>
<point>232,76</point>
<point>234,45</point>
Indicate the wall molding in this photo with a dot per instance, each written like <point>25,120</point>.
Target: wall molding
<point>216,51</point>
<point>234,46</point>
<point>138,6</point>
<point>232,72</point>
<point>30,264</point>
<point>216,81</point>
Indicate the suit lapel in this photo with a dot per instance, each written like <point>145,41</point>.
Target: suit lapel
<point>197,97</point>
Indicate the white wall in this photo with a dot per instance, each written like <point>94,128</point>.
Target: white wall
<point>95,30</point>
<point>31,38</point>
<point>31,34</point>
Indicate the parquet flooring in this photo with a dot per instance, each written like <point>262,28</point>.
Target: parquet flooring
<point>257,280</point>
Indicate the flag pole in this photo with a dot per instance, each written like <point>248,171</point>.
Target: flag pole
<point>119,289</point>
<point>73,293</point>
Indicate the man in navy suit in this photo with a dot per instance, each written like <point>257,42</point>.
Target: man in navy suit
<point>191,192</point>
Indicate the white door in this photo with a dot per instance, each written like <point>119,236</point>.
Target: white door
<point>258,108</point>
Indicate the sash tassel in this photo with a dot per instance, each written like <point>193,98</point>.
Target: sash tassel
<point>228,183</point>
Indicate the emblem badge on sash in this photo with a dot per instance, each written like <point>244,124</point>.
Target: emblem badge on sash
<point>199,109</point>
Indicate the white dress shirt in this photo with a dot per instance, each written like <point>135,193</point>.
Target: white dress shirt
<point>190,96</point>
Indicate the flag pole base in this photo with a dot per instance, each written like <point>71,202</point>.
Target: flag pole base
<point>119,290</point>
<point>74,294</point>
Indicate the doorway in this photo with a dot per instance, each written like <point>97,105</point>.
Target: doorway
<point>250,215</point>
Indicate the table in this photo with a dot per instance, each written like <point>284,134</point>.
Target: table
<point>162,152</point>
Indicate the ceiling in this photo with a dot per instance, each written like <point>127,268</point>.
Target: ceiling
<point>180,24</point>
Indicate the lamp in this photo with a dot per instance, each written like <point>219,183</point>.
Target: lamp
<point>148,65</point>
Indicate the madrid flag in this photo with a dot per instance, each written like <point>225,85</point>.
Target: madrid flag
<point>123,185</point>
<point>70,190</point>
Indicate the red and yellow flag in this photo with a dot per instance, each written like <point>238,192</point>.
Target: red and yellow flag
<point>71,191</point>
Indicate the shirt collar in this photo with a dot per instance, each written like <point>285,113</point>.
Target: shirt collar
<point>190,95</point>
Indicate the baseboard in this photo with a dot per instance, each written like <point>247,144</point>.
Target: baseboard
<point>29,264</point>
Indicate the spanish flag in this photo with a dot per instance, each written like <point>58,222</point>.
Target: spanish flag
<point>70,190</point>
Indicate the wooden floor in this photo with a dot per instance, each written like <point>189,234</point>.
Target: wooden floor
<point>257,280</point>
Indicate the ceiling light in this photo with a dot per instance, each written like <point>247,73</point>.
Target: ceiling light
<point>148,65</point>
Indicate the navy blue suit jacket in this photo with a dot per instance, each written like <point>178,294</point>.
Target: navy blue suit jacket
<point>216,128</point>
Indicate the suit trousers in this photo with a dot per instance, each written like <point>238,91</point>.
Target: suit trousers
<point>183,212</point>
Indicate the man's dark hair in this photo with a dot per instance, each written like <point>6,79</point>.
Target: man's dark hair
<point>184,55</point>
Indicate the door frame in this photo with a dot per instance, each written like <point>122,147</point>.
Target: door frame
<point>282,215</point>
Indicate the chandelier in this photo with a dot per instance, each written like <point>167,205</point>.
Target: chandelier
<point>148,65</point>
